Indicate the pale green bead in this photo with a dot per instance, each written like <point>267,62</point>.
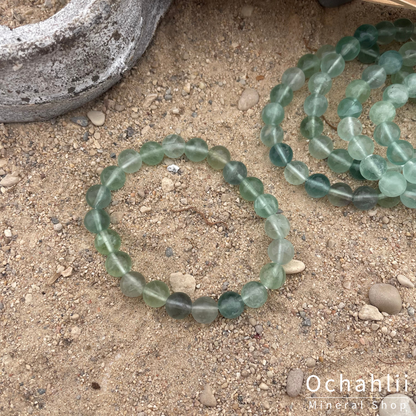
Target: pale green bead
<point>320,83</point>
<point>281,94</point>
<point>410,82</point>
<point>132,284</point>
<point>281,251</point>
<point>277,226</point>
<point>251,188</point>
<point>408,197</point>
<point>234,172</point>
<point>315,105</point>
<point>118,263</point>
<point>358,89</point>
<point>254,294</point>
<point>294,78</point>
<point>373,167</point>
<point>173,146</point>
<point>404,30</point>
<point>272,275</point>
<point>339,160</point>
<point>391,61</point>
<point>375,76</point>
<point>348,128</point>
<point>107,241</point>
<point>309,64</point>
<point>273,114</point>
<point>152,153</point>
<point>386,133</point>
<point>96,220</point>
<point>360,147</point>
<point>129,161</point>
<point>382,111</point>
<point>265,205</point>
<point>392,184</point>
<point>348,47</point>
<point>400,152</point>
<point>155,293</point>
<point>270,135</point>
<point>396,94</point>
<point>113,177</point>
<point>369,55</point>
<point>218,157</point>
<point>409,170</point>
<point>196,149</point>
<point>333,64</point>
<point>349,107</point>
<point>321,147</point>
<point>296,172</point>
<point>311,127</point>
<point>408,52</point>
<point>386,32</point>
<point>324,50</point>
<point>367,35</point>
<point>340,194</point>
<point>98,196</point>
<point>205,310</point>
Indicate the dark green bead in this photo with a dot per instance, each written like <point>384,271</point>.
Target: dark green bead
<point>265,205</point>
<point>349,107</point>
<point>196,149</point>
<point>333,64</point>
<point>339,160</point>
<point>218,157</point>
<point>178,305</point>
<point>173,145</point>
<point>273,114</point>
<point>98,196</point>
<point>96,220</point>
<point>311,127</point>
<point>281,94</point>
<point>129,161</point>
<point>251,188</point>
<point>281,154</point>
<point>365,198</point>
<point>132,284</point>
<point>367,35</point>
<point>340,194</point>
<point>272,276</point>
<point>386,32</point>
<point>230,305</point>
<point>155,293</point>
<point>118,263</point>
<point>317,185</point>
<point>234,172</point>
<point>205,310</point>
<point>152,153</point>
<point>113,177</point>
<point>107,241</point>
<point>271,135</point>
<point>355,170</point>
<point>348,47</point>
<point>369,55</point>
<point>254,294</point>
<point>404,30</point>
<point>309,64</point>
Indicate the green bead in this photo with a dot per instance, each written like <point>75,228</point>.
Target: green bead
<point>315,105</point>
<point>333,64</point>
<point>311,127</point>
<point>317,185</point>
<point>173,146</point>
<point>408,52</point>
<point>348,47</point>
<point>396,94</point>
<point>392,184</point>
<point>400,76</point>
<point>340,194</point>
<point>413,37</point>
<point>358,89</point>
<point>320,147</point>
<point>96,220</point>
<point>355,170</point>
<point>281,94</point>
<point>107,241</point>
<point>98,196</point>
<point>118,263</point>
<point>152,153</point>
<point>386,133</point>
<point>404,30</point>
<point>324,50</point>
<point>369,55</point>
<point>254,294</point>
<point>365,198</point>
<point>281,154</point>
<point>400,152</point>
<point>294,78</point>
<point>277,226</point>
<point>271,135</point>
<point>272,276</point>
<point>410,83</point>
<point>129,161</point>
<point>349,107</point>
<point>132,284</point>
<point>251,188</point>
<point>296,172</point>
<point>373,167</point>
<point>375,76</point>
<point>409,170</point>
<point>320,83</point>
<point>273,114</point>
<point>348,128</point>
<point>386,32</point>
<point>196,149</point>
<point>218,157</point>
<point>281,251</point>
<point>408,197</point>
<point>178,305</point>
<point>234,172</point>
<point>155,293</point>
<point>113,177</point>
<point>387,202</point>
<point>339,160</point>
<point>205,310</point>
<point>309,64</point>
<point>230,305</point>
<point>265,205</point>
<point>367,35</point>
<point>391,61</point>
<point>382,111</point>
<point>360,147</point>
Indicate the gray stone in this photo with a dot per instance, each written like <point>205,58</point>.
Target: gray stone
<point>207,397</point>
<point>370,313</point>
<point>169,252</point>
<point>81,121</point>
<point>294,382</point>
<point>182,283</point>
<point>294,266</point>
<point>249,98</point>
<point>397,404</point>
<point>386,298</point>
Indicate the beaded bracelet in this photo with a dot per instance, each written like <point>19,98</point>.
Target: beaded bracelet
<point>156,293</point>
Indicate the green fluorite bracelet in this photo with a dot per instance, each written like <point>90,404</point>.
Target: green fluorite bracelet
<point>156,293</point>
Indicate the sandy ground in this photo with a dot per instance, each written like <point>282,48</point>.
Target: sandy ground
<point>58,339</point>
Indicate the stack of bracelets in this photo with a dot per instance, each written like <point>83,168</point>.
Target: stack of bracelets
<point>396,175</point>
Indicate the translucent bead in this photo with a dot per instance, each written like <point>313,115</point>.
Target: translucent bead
<point>387,202</point>
<point>367,35</point>
<point>173,146</point>
<point>132,284</point>
<point>373,167</point>
<point>273,114</point>
<point>118,263</point>
<point>265,205</point>
<point>309,64</point>
<point>348,128</point>
<point>348,47</point>
<point>400,76</point>
<point>311,127</point>
<point>98,196</point>
<point>155,293</point>
<point>96,220</point>
<point>413,37</point>
<point>296,172</point>
<point>320,83</point>
<point>178,305</point>
<point>396,94</point>
<point>408,52</point>
<point>400,152</point>
<point>409,170</point>
<point>234,172</point>
<point>333,64</point>
<point>410,83</point>
<point>277,226</point>
<point>230,305</point>
<point>324,50</point>
<point>392,184</point>
<point>365,198</point>
<point>382,111</point>
<point>271,135</point>
<point>340,194</point>
<point>251,188</point>
<point>254,294</point>
<point>129,161</point>
<point>317,185</point>
<point>272,276</point>
<point>281,251</point>
<point>375,76</point>
<point>320,147</point>
<point>360,147</point>
<point>113,178</point>
<point>281,154</point>
<point>358,89</point>
<point>218,157</point>
<point>404,30</point>
<point>355,170</point>
<point>386,32</point>
<point>205,310</point>
<point>281,94</point>
<point>369,55</point>
<point>196,149</point>
<point>391,61</point>
<point>339,160</point>
<point>315,105</point>
<point>152,153</point>
<point>408,197</point>
<point>386,133</point>
<point>349,107</point>
<point>107,241</point>
<point>294,78</point>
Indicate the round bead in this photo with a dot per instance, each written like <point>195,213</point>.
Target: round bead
<point>324,50</point>
<point>113,178</point>
<point>320,147</point>
<point>410,83</point>
<point>178,305</point>
<point>311,127</point>
<point>408,52</point>
<point>96,220</point>
<point>387,202</point>
<point>408,197</point>
<point>348,128</point>
<point>373,167</point>
<point>348,47</point>
<point>404,30</point>
<point>349,107</point>
<point>333,64</point>
<point>281,251</point>
<point>315,105</point>
<point>392,184</point>
<point>173,146</point>
<point>382,111</point>
<point>396,94</point>
<point>339,160</point>
<point>98,196</point>
<point>386,32</point>
<point>375,76</point>
<point>218,157</point>
<point>309,64</point>
<point>365,198</point>
<point>271,135</point>
<point>369,55</point>
<point>317,185</point>
<point>152,153</point>
<point>367,35</point>
<point>273,114</point>
<point>254,294</point>
<point>358,89</point>
<point>132,284</point>
<point>409,170</point>
<point>360,147</point>
<point>234,172</point>
<point>251,188</point>
<point>107,241</point>
<point>118,263</point>
<point>281,154</point>
<point>205,310</point>
<point>230,305</point>
<point>155,293</point>
<point>296,172</point>
<point>281,94</point>
<point>400,152</point>
<point>386,133</point>
<point>391,61</point>
<point>294,78</point>
<point>277,226</point>
<point>265,205</point>
<point>320,83</point>
<point>196,149</point>
<point>340,194</point>
<point>272,276</point>
<point>129,161</point>
<point>400,76</point>
<point>355,170</point>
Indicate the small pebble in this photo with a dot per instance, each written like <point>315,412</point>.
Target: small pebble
<point>310,362</point>
<point>167,185</point>
<point>294,266</point>
<point>252,322</point>
<point>207,397</point>
<point>370,313</point>
<point>374,327</point>
<point>249,98</point>
<point>169,252</point>
<point>96,117</point>
<point>144,209</point>
<point>182,283</point>
<point>386,298</point>
<point>81,121</point>
<point>247,10</point>
<point>67,272</point>
<point>259,329</point>
<point>294,382</point>
<point>397,404</point>
<point>263,386</point>
<point>75,317</point>
<point>411,311</point>
<point>7,233</point>
<point>404,281</point>
<point>57,227</point>
<point>9,180</point>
